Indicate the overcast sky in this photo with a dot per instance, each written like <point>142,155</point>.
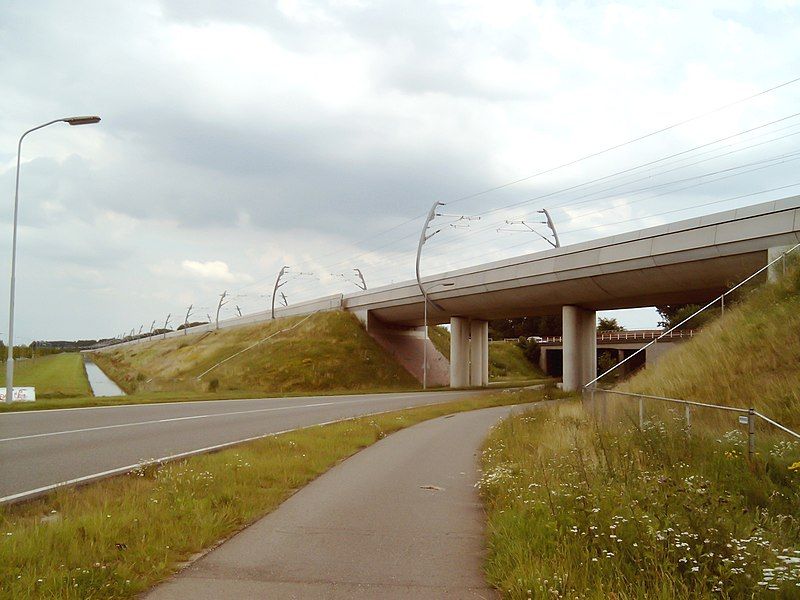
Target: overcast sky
<point>241,136</point>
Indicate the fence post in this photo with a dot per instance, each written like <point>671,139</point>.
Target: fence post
<point>688,418</point>
<point>641,412</point>
<point>751,433</point>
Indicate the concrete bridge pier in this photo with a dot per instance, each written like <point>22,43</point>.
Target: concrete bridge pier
<point>479,353</point>
<point>459,352</point>
<point>580,346</point>
<point>469,352</point>
<point>777,270</point>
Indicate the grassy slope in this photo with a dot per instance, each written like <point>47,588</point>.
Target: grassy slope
<point>329,351</point>
<point>506,360</point>
<point>54,376</point>
<point>749,357</point>
<point>440,338</point>
<point>115,538</point>
<point>577,511</point>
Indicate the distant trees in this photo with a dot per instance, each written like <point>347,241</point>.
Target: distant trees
<point>525,327</point>
<point>183,326</point>
<point>672,314</point>
<point>609,324</point>
<point>27,351</point>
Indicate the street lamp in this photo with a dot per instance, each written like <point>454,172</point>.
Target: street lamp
<point>87,120</point>
<point>425,344</point>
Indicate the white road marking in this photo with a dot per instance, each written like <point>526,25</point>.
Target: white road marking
<point>121,470</point>
<point>173,419</point>
<point>45,411</point>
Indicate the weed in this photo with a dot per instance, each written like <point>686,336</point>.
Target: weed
<point>577,510</point>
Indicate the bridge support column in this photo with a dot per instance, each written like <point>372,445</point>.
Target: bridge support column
<point>469,352</point>
<point>459,352</point>
<point>479,353</point>
<point>776,271</point>
<point>580,346</point>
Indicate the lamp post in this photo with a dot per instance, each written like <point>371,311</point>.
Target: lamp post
<point>425,344</point>
<point>88,120</point>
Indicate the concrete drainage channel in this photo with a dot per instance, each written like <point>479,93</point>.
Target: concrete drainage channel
<point>99,382</point>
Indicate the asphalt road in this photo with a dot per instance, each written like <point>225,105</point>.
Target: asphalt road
<point>399,520</point>
<point>44,448</point>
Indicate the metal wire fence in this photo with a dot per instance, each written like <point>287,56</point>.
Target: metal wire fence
<point>601,402</point>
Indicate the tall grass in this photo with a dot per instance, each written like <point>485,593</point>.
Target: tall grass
<point>508,363</point>
<point>748,357</point>
<point>577,510</point>
<point>329,351</point>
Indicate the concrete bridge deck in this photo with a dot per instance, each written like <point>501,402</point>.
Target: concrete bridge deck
<point>689,261</point>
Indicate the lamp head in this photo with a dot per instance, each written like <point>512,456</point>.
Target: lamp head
<point>86,120</point>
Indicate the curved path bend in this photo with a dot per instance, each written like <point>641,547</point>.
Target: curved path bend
<point>399,520</point>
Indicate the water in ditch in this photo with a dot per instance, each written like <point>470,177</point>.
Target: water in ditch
<point>100,383</point>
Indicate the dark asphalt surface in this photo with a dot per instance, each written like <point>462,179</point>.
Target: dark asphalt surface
<point>399,520</point>
<point>43,448</point>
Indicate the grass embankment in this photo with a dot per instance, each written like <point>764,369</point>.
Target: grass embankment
<point>115,538</point>
<point>54,376</point>
<point>577,511</point>
<point>507,363</point>
<point>748,357</point>
<point>327,352</point>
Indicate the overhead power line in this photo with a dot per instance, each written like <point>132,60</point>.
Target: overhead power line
<point>626,143</point>
<point>567,164</point>
<point>497,252</point>
<point>583,199</point>
<point>637,167</point>
<point>382,234</point>
<point>685,153</point>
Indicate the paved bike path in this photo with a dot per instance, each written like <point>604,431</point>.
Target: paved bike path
<point>399,520</point>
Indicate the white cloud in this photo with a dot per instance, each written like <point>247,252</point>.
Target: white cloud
<point>214,270</point>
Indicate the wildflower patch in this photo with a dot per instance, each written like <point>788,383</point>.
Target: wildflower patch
<point>582,511</point>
